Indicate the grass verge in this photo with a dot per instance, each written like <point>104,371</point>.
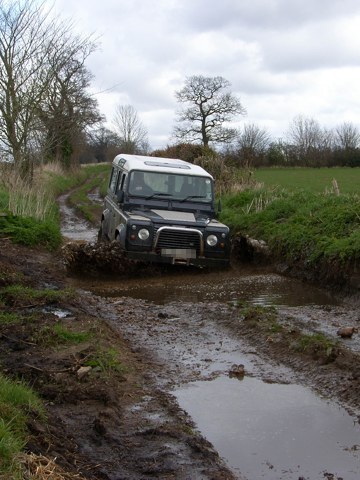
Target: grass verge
<point>21,296</point>
<point>299,225</point>
<point>95,182</point>
<point>17,400</point>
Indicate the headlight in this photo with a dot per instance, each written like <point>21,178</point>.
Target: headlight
<point>212,240</point>
<point>143,234</point>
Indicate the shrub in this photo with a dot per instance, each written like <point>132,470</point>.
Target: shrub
<point>29,231</point>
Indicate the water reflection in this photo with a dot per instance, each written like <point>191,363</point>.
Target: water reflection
<point>274,431</point>
<point>222,286</point>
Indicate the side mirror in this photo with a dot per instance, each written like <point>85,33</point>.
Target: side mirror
<point>120,196</point>
<point>219,206</point>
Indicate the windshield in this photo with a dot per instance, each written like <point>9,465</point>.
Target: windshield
<point>170,185</point>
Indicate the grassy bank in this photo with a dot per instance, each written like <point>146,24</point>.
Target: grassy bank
<point>299,226</point>
<point>96,178</point>
<point>304,214</point>
<point>42,349</point>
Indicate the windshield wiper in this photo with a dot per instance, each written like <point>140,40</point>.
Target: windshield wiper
<point>158,194</point>
<point>192,196</point>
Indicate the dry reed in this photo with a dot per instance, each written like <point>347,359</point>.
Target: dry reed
<point>25,199</point>
<point>38,467</point>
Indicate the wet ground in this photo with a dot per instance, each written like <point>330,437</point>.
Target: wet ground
<point>272,422</point>
<point>72,228</point>
<point>270,411</point>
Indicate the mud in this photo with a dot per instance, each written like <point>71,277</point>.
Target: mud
<point>73,227</point>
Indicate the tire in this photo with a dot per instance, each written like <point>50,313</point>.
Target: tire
<point>101,235</point>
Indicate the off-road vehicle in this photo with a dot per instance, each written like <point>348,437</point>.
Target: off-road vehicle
<point>163,210</point>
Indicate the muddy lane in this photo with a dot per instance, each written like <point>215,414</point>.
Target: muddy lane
<point>265,419</point>
<point>268,417</point>
<point>73,228</point>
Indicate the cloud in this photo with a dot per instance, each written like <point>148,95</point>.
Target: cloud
<point>281,57</point>
<point>314,46</point>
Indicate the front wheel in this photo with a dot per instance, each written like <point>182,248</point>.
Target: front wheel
<point>102,237</point>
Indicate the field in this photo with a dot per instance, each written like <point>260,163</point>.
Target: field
<point>312,179</point>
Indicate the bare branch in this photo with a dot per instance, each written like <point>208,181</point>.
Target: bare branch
<point>208,108</point>
<point>132,133</point>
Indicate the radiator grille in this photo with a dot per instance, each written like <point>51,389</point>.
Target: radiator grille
<point>178,238</point>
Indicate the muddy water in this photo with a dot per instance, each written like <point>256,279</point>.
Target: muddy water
<point>274,431</point>
<point>221,286</point>
<point>73,228</point>
<point>265,426</point>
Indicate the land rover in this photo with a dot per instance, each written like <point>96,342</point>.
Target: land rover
<point>163,210</point>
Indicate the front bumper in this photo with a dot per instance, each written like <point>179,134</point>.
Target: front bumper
<point>198,261</point>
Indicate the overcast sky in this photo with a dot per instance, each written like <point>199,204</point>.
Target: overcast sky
<point>283,58</point>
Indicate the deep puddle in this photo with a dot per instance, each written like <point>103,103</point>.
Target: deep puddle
<point>219,286</point>
<point>274,431</point>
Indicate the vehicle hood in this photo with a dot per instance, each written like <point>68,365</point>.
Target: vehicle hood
<point>175,217</point>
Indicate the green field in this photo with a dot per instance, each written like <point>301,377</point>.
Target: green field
<point>312,179</point>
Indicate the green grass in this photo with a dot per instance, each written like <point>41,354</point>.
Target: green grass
<point>58,334</point>
<point>107,361</point>
<point>300,225</point>
<point>258,315</point>
<point>67,336</point>
<point>32,232</point>
<point>310,179</point>
<point>96,177</point>
<point>7,318</point>
<point>16,401</point>
<point>20,294</point>
<point>64,335</point>
<point>315,344</point>
<point>33,219</point>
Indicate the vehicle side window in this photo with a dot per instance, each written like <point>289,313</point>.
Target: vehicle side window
<point>113,179</point>
<point>121,181</point>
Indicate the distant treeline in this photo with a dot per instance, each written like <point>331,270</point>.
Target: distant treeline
<point>305,144</point>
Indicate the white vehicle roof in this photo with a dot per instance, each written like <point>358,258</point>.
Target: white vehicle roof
<point>158,164</point>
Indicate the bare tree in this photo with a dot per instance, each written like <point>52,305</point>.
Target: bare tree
<point>305,136</point>
<point>103,143</point>
<point>208,105</point>
<point>67,109</point>
<point>132,133</point>
<point>347,141</point>
<point>34,49</point>
<point>347,136</point>
<point>252,144</point>
<point>22,79</point>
